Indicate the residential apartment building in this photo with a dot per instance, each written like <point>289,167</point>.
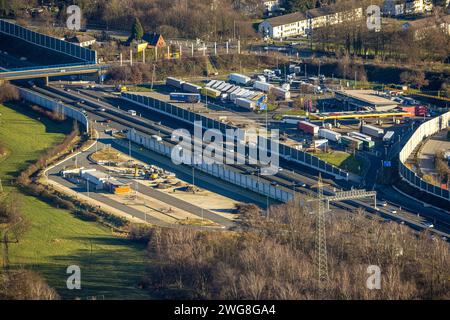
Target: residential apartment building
<point>420,26</point>
<point>288,25</point>
<point>300,24</point>
<point>328,16</point>
<point>271,6</point>
<point>393,8</point>
<point>406,7</point>
<point>418,6</point>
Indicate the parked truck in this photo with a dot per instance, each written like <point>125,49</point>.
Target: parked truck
<point>212,93</point>
<point>174,82</point>
<point>245,103</point>
<point>350,141</point>
<point>262,86</point>
<point>372,131</point>
<point>190,87</point>
<point>330,135</point>
<point>367,143</point>
<point>421,111</point>
<point>410,109</point>
<point>185,97</point>
<point>388,138</point>
<point>308,127</point>
<point>355,134</point>
<point>281,93</point>
<point>121,88</point>
<point>239,78</point>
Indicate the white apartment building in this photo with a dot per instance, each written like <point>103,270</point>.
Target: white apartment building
<point>327,16</point>
<point>393,7</point>
<point>299,24</point>
<point>406,7</point>
<point>271,6</point>
<point>288,25</point>
<point>418,6</point>
<point>420,26</point>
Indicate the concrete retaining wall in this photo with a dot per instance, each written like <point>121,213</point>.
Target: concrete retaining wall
<point>285,151</point>
<point>225,173</point>
<point>425,130</point>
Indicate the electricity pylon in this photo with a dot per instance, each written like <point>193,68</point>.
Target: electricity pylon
<point>323,206</point>
<point>321,259</point>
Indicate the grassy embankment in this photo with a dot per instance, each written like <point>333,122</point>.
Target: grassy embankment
<point>110,266</point>
<point>342,160</point>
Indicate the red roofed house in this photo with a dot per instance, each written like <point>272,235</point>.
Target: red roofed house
<point>154,39</point>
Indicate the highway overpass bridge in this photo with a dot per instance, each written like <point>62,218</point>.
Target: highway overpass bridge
<point>50,71</point>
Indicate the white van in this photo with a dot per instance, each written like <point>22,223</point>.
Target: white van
<point>132,112</point>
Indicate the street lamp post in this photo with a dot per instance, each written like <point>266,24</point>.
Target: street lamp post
<point>293,188</point>
<point>87,185</point>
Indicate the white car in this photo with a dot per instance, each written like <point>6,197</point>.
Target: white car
<point>393,211</point>
<point>429,225</point>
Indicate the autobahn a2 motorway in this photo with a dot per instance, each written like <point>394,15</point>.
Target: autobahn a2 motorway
<point>292,173</point>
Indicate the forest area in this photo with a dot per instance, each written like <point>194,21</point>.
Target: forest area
<point>391,43</point>
<point>274,258</point>
<point>205,19</point>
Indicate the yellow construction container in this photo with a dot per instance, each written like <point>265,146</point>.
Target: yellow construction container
<point>122,190</point>
<point>153,176</point>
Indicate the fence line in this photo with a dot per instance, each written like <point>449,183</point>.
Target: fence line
<point>220,171</point>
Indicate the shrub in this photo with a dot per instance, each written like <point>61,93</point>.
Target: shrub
<point>85,215</point>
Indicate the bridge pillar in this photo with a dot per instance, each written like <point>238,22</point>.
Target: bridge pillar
<point>99,76</point>
<point>46,81</point>
<point>2,82</point>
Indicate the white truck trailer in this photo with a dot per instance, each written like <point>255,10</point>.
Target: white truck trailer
<point>239,78</point>
<point>372,131</point>
<point>281,93</point>
<point>174,82</point>
<point>245,103</point>
<point>262,86</point>
<point>330,135</point>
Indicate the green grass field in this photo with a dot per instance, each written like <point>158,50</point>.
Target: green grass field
<point>295,112</point>
<point>110,266</point>
<point>342,160</point>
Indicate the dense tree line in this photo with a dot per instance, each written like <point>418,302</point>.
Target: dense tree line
<point>274,259</point>
<point>8,92</point>
<point>390,43</point>
<point>25,176</point>
<point>207,19</point>
<point>188,67</point>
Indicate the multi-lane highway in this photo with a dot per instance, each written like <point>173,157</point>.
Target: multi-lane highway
<point>292,177</point>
